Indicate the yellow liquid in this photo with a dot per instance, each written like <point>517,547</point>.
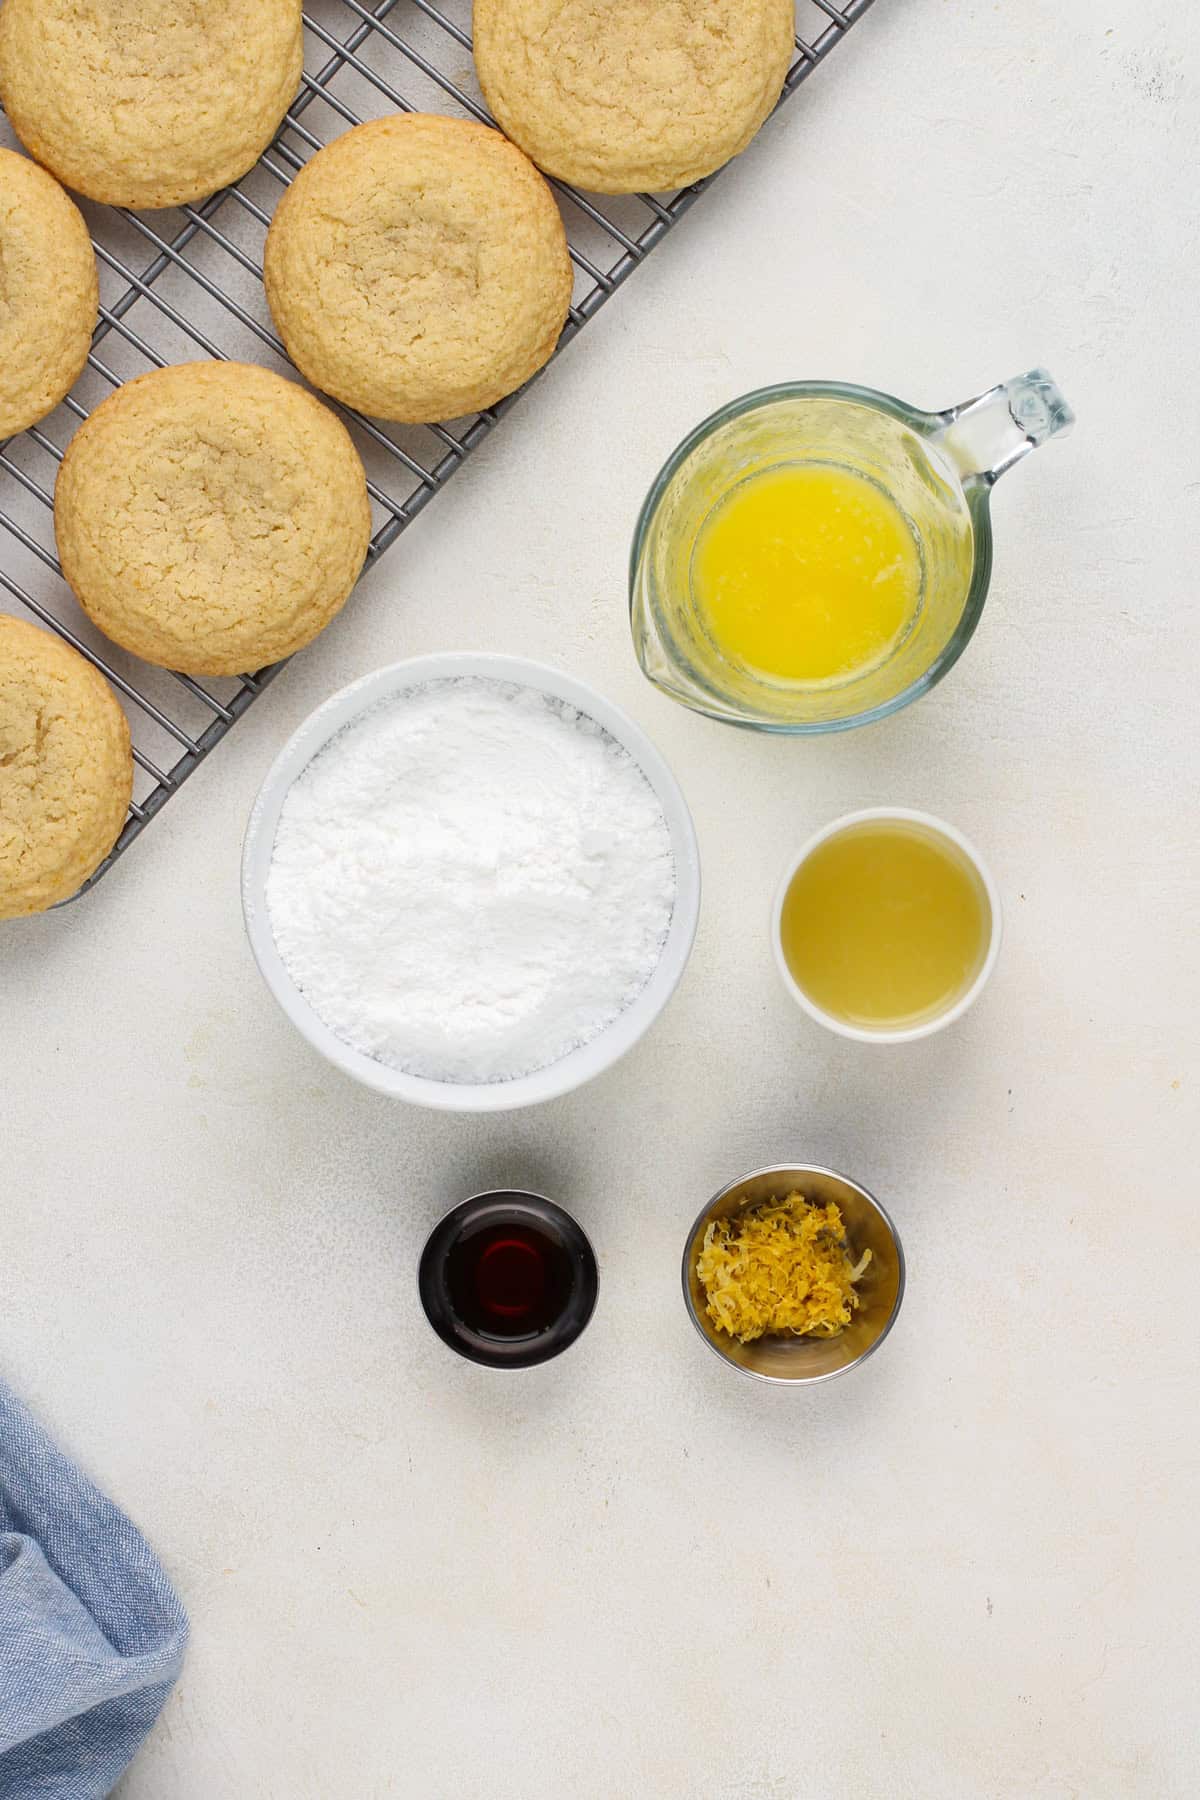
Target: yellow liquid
<point>885,925</point>
<point>806,573</point>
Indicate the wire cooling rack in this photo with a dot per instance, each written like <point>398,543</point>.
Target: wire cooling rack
<point>186,283</point>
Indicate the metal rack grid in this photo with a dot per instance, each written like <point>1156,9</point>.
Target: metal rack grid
<point>188,282</point>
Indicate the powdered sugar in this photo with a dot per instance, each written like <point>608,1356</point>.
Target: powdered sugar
<point>471,879</point>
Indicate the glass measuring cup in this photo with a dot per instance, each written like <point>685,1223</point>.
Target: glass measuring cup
<point>939,470</point>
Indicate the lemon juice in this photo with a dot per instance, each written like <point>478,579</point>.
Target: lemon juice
<point>806,572</point>
<point>886,924</point>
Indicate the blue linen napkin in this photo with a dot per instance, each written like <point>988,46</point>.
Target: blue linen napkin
<point>91,1632</point>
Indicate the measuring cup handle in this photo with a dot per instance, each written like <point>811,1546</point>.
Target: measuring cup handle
<point>986,436</point>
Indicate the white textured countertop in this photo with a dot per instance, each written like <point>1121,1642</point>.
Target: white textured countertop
<point>967,1569</point>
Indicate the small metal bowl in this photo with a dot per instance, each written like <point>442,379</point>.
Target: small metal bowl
<point>868,1227</point>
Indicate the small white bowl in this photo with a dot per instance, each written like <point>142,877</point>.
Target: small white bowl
<point>905,1034</point>
<point>578,1066</point>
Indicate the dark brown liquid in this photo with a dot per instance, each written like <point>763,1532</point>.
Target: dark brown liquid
<point>508,1281</point>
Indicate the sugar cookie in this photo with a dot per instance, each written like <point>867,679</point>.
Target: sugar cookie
<point>417,268</point>
<point>66,772</point>
<point>211,517</point>
<point>628,96</point>
<point>148,103</point>
<point>48,293</point>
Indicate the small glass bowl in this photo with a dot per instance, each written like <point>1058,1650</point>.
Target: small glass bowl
<point>520,1213</point>
<point>925,1027</point>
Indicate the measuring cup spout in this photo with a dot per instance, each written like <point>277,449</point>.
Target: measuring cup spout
<point>986,436</point>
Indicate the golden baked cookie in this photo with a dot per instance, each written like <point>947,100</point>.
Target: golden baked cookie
<point>148,102</point>
<point>417,268</point>
<point>48,293</point>
<point>211,517</point>
<point>632,96</point>
<point>66,773</point>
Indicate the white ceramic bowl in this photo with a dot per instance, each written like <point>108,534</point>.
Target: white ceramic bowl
<point>578,1066</point>
<point>903,1034</point>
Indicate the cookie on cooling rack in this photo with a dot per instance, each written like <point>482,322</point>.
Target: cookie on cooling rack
<point>148,103</point>
<point>417,268</point>
<point>66,772</point>
<point>211,517</point>
<point>632,96</point>
<point>48,293</point>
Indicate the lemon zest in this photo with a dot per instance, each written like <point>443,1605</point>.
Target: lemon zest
<point>781,1267</point>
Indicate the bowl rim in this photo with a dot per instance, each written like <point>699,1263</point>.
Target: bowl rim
<point>801,1169</point>
<point>577,1066</point>
<point>904,1034</point>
